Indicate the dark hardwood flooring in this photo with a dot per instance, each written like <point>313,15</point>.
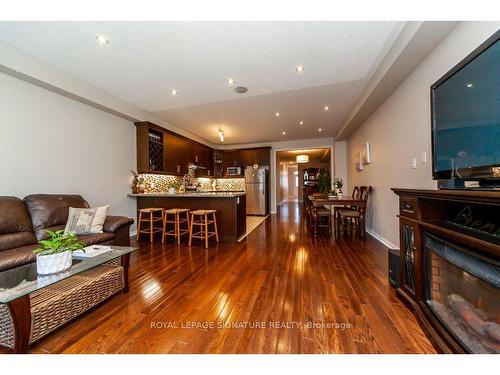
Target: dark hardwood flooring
<point>278,274</point>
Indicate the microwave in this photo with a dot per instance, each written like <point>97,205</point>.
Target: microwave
<point>233,171</point>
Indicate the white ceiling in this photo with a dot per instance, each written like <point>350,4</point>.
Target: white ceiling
<point>146,59</point>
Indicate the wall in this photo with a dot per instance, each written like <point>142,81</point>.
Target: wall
<point>400,130</point>
<point>52,144</point>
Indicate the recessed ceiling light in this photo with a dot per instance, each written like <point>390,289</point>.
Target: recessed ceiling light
<point>174,92</point>
<point>284,133</point>
<point>301,123</point>
<point>277,114</point>
<point>230,81</point>
<point>469,85</point>
<point>326,108</point>
<point>320,129</point>
<point>300,68</point>
<point>101,39</point>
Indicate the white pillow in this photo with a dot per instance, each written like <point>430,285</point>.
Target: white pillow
<point>86,220</point>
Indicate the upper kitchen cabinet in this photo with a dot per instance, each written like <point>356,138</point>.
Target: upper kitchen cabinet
<point>150,148</point>
<point>176,155</point>
<point>246,157</point>
<point>162,151</point>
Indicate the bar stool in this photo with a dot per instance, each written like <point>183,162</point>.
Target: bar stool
<point>177,232</point>
<point>203,222</point>
<point>151,218</point>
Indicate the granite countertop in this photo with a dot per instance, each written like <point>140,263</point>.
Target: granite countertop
<point>193,194</point>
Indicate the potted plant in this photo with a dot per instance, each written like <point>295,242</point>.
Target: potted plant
<point>324,181</point>
<point>339,183</point>
<point>172,186</point>
<point>55,253</point>
<point>332,194</point>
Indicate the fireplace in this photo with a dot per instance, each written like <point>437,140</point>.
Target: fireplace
<point>462,289</point>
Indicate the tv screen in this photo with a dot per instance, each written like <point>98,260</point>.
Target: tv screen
<point>466,117</point>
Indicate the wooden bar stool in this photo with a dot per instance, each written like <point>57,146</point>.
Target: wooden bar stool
<point>177,232</point>
<point>203,222</point>
<point>151,218</point>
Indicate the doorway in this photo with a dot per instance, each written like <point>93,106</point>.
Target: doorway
<point>297,172</point>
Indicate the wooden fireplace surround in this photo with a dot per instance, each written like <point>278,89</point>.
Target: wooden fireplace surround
<point>429,211</point>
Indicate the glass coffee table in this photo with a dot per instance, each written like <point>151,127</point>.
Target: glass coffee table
<point>33,305</point>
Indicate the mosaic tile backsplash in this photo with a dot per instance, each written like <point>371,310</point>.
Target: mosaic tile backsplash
<point>157,183</point>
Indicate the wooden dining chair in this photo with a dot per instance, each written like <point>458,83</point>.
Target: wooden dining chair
<point>355,195</point>
<point>354,217</point>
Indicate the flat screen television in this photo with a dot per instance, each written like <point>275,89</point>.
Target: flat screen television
<point>465,110</point>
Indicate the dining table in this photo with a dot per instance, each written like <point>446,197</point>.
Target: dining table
<point>318,201</point>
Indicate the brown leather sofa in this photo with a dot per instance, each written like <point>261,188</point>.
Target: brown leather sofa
<point>22,224</point>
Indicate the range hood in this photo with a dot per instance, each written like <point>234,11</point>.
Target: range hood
<point>195,165</point>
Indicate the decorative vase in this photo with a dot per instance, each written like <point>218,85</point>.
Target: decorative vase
<point>53,263</point>
<point>339,193</point>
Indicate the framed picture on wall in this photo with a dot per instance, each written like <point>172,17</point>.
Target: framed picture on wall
<point>366,157</point>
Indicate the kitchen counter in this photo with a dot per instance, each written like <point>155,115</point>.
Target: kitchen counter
<point>230,206</point>
<point>197,194</point>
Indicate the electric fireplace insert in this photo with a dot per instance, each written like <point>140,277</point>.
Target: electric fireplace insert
<point>462,289</point>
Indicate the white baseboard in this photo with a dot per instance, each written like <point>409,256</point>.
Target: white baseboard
<point>380,238</point>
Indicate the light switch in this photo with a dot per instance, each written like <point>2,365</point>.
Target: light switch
<point>414,163</point>
<point>423,157</point>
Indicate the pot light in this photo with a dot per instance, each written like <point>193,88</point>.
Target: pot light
<point>174,92</point>
<point>326,108</point>
<point>283,132</point>
<point>301,123</point>
<point>300,68</point>
<point>302,158</point>
<point>101,39</point>
<point>221,135</point>
<point>469,85</point>
<point>277,114</point>
<point>320,129</point>
<point>230,81</point>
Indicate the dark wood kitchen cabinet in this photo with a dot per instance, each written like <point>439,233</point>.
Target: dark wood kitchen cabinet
<point>162,151</point>
<point>176,155</point>
<point>247,157</point>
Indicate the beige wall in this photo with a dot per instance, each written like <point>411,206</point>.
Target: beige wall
<point>399,130</point>
<point>52,144</point>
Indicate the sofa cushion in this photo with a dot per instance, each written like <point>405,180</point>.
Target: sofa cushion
<point>15,224</point>
<point>49,210</point>
<point>92,239</point>
<point>17,257</point>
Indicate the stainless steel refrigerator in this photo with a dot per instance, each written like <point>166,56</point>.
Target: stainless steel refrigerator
<point>256,189</point>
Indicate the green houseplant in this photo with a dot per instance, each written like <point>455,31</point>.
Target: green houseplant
<point>339,183</point>
<point>324,181</point>
<point>55,253</point>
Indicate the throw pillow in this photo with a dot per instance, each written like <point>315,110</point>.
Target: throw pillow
<point>86,220</point>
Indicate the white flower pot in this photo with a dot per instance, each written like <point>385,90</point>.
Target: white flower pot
<point>48,264</point>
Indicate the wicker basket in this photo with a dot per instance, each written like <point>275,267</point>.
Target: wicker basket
<point>55,305</point>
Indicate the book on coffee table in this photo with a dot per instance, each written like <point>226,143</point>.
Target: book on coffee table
<point>91,251</point>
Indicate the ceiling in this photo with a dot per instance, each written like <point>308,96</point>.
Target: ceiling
<point>319,154</point>
<point>145,60</point>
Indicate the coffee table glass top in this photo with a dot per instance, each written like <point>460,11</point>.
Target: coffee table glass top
<point>20,281</point>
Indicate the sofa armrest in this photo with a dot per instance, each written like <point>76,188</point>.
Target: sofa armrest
<point>113,223</point>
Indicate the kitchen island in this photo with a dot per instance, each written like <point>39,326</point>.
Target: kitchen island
<point>230,206</point>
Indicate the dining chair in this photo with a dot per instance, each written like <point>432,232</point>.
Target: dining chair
<point>354,217</point>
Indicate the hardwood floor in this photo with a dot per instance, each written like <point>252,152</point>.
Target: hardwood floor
<point>279,276</point>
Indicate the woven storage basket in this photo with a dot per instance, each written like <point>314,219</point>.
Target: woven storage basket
<point>57,304</point>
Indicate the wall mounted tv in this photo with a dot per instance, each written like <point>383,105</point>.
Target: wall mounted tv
<point>465,106</point>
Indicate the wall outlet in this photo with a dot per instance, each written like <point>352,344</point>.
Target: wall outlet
<point>414,163</point>
<point>423,157</point>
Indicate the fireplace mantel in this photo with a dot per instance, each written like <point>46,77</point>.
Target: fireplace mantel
<point>469,219</point>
